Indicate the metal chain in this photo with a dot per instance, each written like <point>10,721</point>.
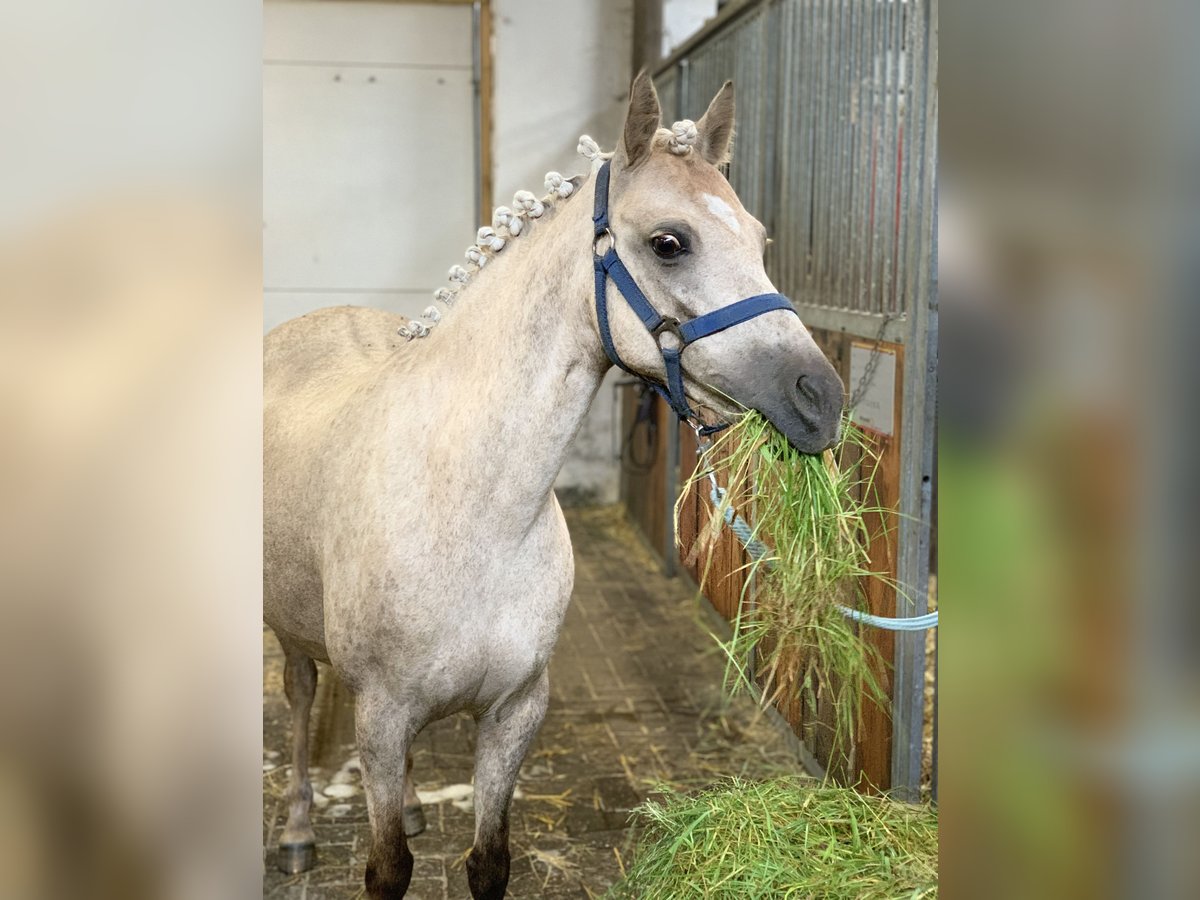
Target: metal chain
<point>872,364</point>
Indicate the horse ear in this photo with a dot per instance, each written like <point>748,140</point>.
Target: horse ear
<point>715,127</point>
<point>642,120</point>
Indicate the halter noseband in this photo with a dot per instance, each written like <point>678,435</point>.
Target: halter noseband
<point>608,265</point>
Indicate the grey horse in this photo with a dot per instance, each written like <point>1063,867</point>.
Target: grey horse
<point>412,535</point>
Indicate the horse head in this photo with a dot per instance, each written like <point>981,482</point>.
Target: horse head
<point>684,237</point>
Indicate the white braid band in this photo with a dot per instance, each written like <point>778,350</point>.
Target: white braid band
<point>414,329</point>
<point>506,218</point>
<point>559,186</point>
<point>489,240</point>
<point>530,204</point>
<point>683,137</point>
<point>588,148</point>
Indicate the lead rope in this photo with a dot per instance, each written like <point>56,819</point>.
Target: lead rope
<point>758,551</point>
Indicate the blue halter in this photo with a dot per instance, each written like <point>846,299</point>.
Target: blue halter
<point>609,265</point>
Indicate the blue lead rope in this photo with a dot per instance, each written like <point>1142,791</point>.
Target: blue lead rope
<point>758,551</point>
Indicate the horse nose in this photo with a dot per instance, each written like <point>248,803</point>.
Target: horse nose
<point>819,395</point>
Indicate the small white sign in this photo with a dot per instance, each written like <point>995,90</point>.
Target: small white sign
<point>875,397</point>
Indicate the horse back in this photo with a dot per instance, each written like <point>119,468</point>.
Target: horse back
<point>324,348</point>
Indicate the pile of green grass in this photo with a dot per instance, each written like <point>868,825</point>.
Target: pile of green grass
<point>789,636</point>
<point>782,838</point>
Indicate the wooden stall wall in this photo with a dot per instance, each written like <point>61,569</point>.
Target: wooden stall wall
<point>719,567</point>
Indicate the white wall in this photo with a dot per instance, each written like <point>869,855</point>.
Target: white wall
<point>368,123</point>
<point>562,70</point>
<point>683,18</point>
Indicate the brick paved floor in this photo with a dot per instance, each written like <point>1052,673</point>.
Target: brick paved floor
<point>635,702</point>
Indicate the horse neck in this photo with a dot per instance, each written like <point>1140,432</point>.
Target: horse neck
<point>522,355</point>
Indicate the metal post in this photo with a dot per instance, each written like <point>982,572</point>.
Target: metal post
<point>920,391</point>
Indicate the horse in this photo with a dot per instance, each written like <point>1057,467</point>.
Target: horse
<point>413,539</point>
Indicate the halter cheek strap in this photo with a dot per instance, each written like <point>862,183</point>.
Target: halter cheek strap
<point>608,265</point>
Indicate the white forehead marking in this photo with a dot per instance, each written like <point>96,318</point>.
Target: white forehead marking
<point>723,211</point>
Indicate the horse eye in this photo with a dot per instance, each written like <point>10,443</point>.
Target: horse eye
<point>666,245</point>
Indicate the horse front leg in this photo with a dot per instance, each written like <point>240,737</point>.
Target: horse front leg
<point>384,731</point>
<point>504,738</point>
<point>297,844</point>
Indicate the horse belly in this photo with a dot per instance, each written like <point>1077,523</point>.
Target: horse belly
<point>293,608</point>
<point>293,592</point>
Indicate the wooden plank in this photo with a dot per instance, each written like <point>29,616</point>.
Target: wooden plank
<point>874,748</point>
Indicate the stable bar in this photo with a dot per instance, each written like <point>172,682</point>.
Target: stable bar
<point>918,405</point>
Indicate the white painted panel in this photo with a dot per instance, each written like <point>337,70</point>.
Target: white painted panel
<point>554,83</point>
<point>683,18</point>
<point>876,404</point>
<point>368,176</point>
<point>399,33</point>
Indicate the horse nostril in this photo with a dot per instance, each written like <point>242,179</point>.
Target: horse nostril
<point>819,393</point>
<point>808,390</point>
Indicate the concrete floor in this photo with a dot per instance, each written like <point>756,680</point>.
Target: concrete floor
<point>635,702</point>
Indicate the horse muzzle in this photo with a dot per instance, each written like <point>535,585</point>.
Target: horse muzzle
<point>806,405</point>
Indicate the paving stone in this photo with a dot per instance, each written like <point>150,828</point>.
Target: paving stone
<point>635,702</point>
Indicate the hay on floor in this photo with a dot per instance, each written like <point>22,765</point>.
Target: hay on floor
<point>786,837</point>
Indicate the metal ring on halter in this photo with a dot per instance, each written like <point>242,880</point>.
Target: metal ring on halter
<point>612,242</point>
<point>670,325</point>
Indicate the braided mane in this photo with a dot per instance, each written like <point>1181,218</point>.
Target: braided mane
<point>508,223</point>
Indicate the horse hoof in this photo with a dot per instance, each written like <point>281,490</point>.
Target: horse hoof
<point>414,820</point>
<point>296,858</point>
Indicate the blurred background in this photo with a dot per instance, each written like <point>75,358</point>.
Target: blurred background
<point>165,163</point>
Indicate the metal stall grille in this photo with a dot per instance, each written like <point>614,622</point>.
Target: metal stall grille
<point>835,152</point>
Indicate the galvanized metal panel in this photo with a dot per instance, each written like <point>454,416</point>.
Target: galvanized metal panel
<point>920,396</point>
<point>826,140</point>
<point>835,151</point>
